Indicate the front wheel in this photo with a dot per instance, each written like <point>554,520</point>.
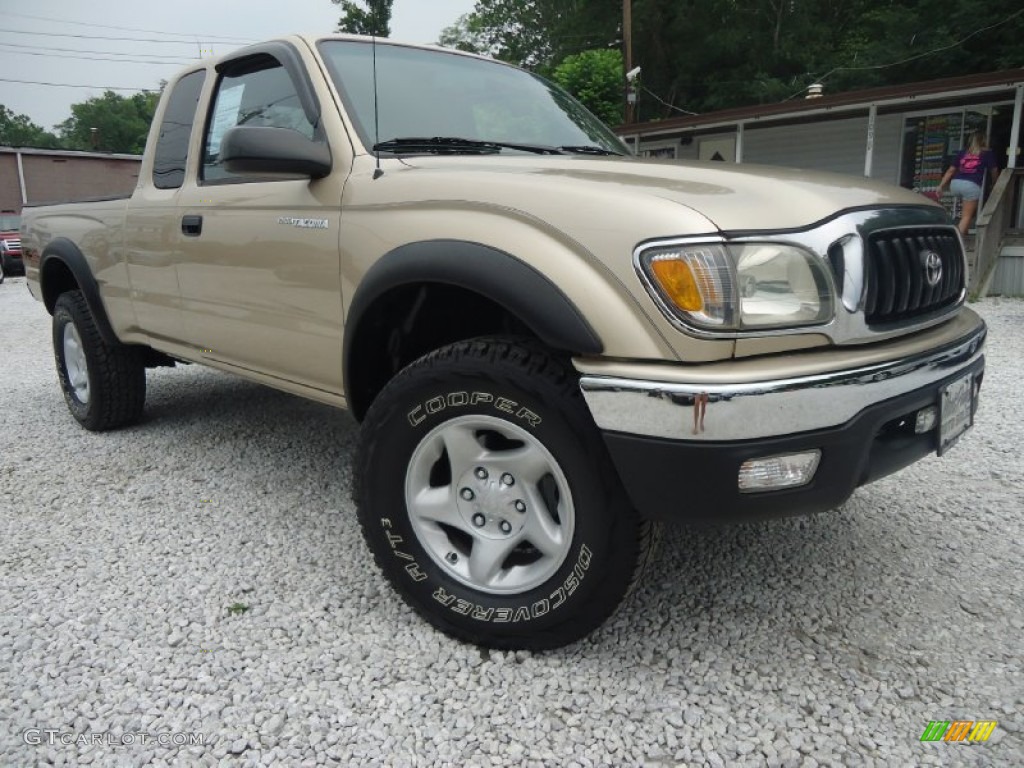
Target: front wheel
<point>488,499</point>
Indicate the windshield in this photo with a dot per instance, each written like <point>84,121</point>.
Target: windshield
<point>9,222</point>
<point>431,93</point>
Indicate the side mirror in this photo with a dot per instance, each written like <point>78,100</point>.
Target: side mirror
<point>260,150</point>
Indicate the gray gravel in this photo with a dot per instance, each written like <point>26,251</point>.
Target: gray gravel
<point>203,573</point>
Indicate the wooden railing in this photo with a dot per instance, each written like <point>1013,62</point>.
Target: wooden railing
<point>993,221</point>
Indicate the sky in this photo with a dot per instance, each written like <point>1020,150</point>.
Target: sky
<point>166,35</point>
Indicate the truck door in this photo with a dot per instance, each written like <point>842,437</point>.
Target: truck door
<point>260,267</point>
<point>151,238</point>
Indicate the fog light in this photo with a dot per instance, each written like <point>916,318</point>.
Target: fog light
<point>787,471</point>
<point>926,420</point>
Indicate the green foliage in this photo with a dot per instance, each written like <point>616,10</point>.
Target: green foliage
<point>19,131</point>
<point>704,55</point>
<point>595,78</point>
<point>536,33</point>
<point>466,34</point>
<point>374,19</point>
<point>121,123</point>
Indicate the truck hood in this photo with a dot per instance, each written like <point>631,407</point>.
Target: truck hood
<point>730,197</point>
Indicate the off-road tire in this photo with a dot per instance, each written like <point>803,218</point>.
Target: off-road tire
<point>523,391</point>
<point>116,376</point>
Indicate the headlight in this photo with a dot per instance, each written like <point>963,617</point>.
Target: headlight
<point>737,287</point>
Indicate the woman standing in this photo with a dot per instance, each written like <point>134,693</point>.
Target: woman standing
<point>968,176</point>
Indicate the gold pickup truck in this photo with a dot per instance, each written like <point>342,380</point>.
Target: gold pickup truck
<point>551,345</point>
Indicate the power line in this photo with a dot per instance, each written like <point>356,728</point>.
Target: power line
<point>96,58</point>
<point>103,37</point>
<point>129,29</point>
<point>933,51</point>
<point>670,106</point>
<point>73,85</point>
<point>83,50</point>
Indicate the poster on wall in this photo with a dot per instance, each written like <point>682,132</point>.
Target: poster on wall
<point>930,145</point>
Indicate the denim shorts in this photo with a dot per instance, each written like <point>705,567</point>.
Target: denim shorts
<point>968,190</point>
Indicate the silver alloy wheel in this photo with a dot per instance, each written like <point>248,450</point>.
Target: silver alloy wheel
<point>75,363</point>
<point>489,504</point>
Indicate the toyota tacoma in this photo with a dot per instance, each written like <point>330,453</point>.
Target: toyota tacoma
<point>551,345</point>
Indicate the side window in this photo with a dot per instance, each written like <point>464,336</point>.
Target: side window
<point>264,97</point>
<point>176,131</point>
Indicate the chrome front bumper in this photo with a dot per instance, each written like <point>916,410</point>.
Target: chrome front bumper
<point>763,409</point>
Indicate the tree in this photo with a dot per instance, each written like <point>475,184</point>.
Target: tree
<point>375,19</point>
<point>110,123</point>
<point>466,34</point>
<point>704,55</point>
<point>536,34</point>
<point>20,131</point>
<point>595,78</point>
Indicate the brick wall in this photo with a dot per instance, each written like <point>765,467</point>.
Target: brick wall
<point>51,178</point>
<point>10,192</point>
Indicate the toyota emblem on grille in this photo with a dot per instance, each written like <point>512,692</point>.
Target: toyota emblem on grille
<point>932,263</point>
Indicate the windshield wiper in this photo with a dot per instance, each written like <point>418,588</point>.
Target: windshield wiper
<point>453,145</point>
<point>589,149</point>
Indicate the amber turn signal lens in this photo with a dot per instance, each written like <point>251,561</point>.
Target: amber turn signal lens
<point>678,282</point>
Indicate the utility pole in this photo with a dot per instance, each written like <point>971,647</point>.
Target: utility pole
<point>627,42</point>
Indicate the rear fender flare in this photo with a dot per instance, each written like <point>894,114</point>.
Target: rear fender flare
<point>62,250</point>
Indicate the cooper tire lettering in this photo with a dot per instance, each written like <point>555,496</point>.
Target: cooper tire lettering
<point>528,416</point>
<point>457,400</point>
<point>505,405</point>
<point>415,416</point>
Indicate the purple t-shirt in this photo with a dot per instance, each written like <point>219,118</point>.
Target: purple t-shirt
<point>971,167</point>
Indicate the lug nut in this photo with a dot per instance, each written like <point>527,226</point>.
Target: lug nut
<point>467,494</point>
<point>520,505</point>
<point>506,526</point>
<point>481,473</point>
<point>452,558</point>
<point>507,479</point>
<point>479,520</point>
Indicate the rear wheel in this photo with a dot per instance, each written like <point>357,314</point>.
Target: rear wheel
<point>104,385</point>
<point>488,498</point>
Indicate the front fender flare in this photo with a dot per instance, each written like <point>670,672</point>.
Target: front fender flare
<point>509,282</point>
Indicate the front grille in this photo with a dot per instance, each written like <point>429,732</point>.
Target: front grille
<point>13,244</point>
<point>899,265</point>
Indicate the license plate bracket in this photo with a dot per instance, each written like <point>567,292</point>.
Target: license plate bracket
<point>956,411</point>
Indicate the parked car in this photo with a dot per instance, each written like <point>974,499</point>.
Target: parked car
<point>10,244</point>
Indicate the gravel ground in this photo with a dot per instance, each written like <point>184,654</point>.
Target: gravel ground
<point>202,573</point>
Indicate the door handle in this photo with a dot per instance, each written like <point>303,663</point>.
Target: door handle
<point>192,226</point>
